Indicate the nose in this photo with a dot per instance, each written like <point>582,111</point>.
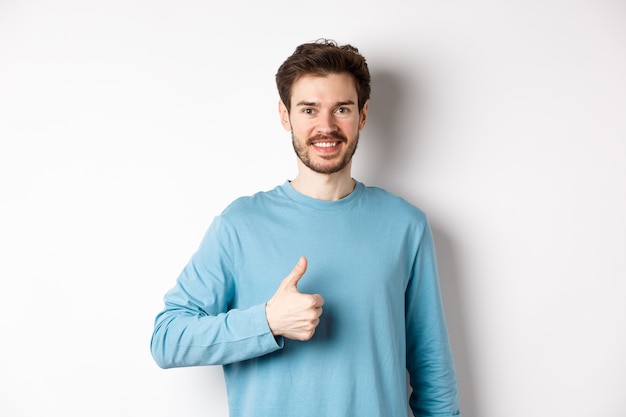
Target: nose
<point>326,122</point>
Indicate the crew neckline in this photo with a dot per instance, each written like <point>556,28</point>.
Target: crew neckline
<point>317,204</point>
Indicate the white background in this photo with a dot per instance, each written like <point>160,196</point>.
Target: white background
<point>125,126</point>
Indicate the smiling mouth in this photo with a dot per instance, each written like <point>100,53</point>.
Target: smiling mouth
<point>327,140</point>
<point>325,144</point>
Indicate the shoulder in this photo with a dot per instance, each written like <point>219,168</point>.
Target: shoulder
<point>246,206</point>
<point>392,203</point>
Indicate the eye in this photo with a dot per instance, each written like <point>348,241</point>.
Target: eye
<point>342,110</point>
<point>308,110</point>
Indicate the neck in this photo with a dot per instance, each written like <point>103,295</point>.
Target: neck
<point>327,187</point>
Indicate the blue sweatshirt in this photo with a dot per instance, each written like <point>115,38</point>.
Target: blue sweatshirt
<point>371,257</point>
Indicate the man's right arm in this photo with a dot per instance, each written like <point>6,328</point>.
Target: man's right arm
<point>182,338</point>
<point>197,327</point>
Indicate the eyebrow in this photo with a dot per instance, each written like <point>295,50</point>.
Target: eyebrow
<point>314,104</point>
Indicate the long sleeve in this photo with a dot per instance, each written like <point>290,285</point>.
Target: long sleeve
<point>429,358</point>
<point>197,325</point>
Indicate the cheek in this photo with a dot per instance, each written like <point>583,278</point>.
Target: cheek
<point>349,126</point>
<point>301,126</point>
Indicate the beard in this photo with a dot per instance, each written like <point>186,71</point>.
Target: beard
<point>321,168</point>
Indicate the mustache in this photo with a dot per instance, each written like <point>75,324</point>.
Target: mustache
<point>331,135</point>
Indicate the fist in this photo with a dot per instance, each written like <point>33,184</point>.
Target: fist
<point>291,313</point>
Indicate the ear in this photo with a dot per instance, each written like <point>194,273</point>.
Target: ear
<point>284,116</point>
<point>363,115</point>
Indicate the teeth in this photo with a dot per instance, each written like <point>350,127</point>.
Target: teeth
<point>326,144</point>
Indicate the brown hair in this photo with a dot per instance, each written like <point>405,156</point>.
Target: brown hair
<point>323,57</point>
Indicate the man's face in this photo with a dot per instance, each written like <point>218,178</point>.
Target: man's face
<point>324,121</point>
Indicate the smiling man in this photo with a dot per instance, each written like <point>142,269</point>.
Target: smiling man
<point>336,334</point>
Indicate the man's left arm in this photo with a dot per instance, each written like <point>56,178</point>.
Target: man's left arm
<point>429,357</point>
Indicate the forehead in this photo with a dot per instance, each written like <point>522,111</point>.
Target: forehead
<point>321,88</point>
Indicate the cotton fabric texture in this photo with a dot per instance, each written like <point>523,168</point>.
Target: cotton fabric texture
<point>370,255</point>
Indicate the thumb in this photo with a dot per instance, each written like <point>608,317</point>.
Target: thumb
<point>296,273</point>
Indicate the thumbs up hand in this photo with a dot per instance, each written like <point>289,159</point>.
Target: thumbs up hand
<point>291,313</point>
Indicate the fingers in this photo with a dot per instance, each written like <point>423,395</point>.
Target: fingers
<point>305,328</point>
<point>318,301</point>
